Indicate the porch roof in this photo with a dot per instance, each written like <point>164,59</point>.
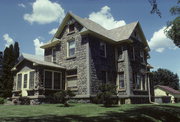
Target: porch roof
<point>37,60</point>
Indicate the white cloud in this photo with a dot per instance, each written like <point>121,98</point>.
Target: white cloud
<point>37,44</point>
<point>45,11</point>
<point>22,5</point>
<point>8,40</point>
<point>105,18</point>
<point>53,31</point>
<point>159,42</point>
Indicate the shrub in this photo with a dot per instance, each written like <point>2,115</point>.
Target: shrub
<point>63,96</point>
<point>107,94</point>
<point>2,100</point>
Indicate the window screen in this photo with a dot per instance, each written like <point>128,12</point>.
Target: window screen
<point>19,81</point>
<point>48,79</point>
<point>31,80</point>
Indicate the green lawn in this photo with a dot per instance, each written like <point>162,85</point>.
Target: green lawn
<point>90,113</point>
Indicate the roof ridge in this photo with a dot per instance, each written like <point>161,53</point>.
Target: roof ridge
<point>124,25</point>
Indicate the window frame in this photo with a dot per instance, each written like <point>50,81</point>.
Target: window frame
<point>68,48</point>
<point>105,48</point>
<point>22,79</point>
<point>52,87</point>
<point>121,73</point>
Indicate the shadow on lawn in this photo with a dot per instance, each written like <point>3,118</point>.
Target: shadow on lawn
<point>163,113</point>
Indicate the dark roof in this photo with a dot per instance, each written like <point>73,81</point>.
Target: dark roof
<point>115,35</point>
<point>39,60</point>
<point>168,89</point>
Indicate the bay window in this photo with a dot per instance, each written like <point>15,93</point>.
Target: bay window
<point>19,81</point>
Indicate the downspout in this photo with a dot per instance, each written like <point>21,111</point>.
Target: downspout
<point>149,91</point>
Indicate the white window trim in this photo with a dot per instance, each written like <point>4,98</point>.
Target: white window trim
<point>119,80</point>
<point>105,53</point>
<point>22,80</point>
<point>52,87</point>
<point>68,48</point>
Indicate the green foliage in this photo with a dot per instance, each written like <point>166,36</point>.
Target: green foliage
<point>10,58</point>
<point>154,9</point>
<point>63,96</point>
<point>2,100</point>
<point>165,77</point>
<point>173,27</point>
<point>107,94</point>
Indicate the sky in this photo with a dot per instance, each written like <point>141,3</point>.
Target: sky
<point>33,22</point>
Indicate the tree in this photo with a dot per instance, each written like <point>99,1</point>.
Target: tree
<point>63,96</point>
<point>10,58</point>
<point>154,9</point>
<point>165,77</point>
<point>107,94</point>
<point>173,27</point>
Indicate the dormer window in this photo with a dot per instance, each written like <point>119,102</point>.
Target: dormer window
<point>71,28</point>
<point>102,49</point>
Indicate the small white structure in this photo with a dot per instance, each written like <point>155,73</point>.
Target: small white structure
<point>164,94</point>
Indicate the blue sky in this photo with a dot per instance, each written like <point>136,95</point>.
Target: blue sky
<point>32,23</point>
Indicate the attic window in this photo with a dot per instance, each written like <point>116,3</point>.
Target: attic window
<point>71,28</point>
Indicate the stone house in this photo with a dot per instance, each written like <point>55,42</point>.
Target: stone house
<point>81,56</point>
<point>166,94</point>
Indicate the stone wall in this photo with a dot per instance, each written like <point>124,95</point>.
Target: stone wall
<point>99,64</point>
<point>79,61</point>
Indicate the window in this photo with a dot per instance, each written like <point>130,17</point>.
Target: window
<point>104,77</point>
<point>31,80</point>
<point>57,80</point>
<point>71,28</point>
<point>25,81</point>
<point>19,81</point>
<point>48,79</point>
<point>102,49</point>
<point>71,48</point>
<point>72,74</point>
<point>53,79</point>
<point>72,79</point>
<point>53,55</point>
<point>121,80</point>
<point>138,82</point>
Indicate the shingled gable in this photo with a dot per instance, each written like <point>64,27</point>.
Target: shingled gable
<point>116,35</point>
<point>37,60</point>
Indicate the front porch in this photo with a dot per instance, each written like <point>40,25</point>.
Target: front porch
<point>37,79</point>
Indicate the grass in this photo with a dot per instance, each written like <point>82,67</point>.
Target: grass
<point>90,113</point>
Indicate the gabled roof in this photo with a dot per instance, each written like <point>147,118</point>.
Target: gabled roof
<point>38,60</point>
<point>114,35</point>
<point>168,89</point>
